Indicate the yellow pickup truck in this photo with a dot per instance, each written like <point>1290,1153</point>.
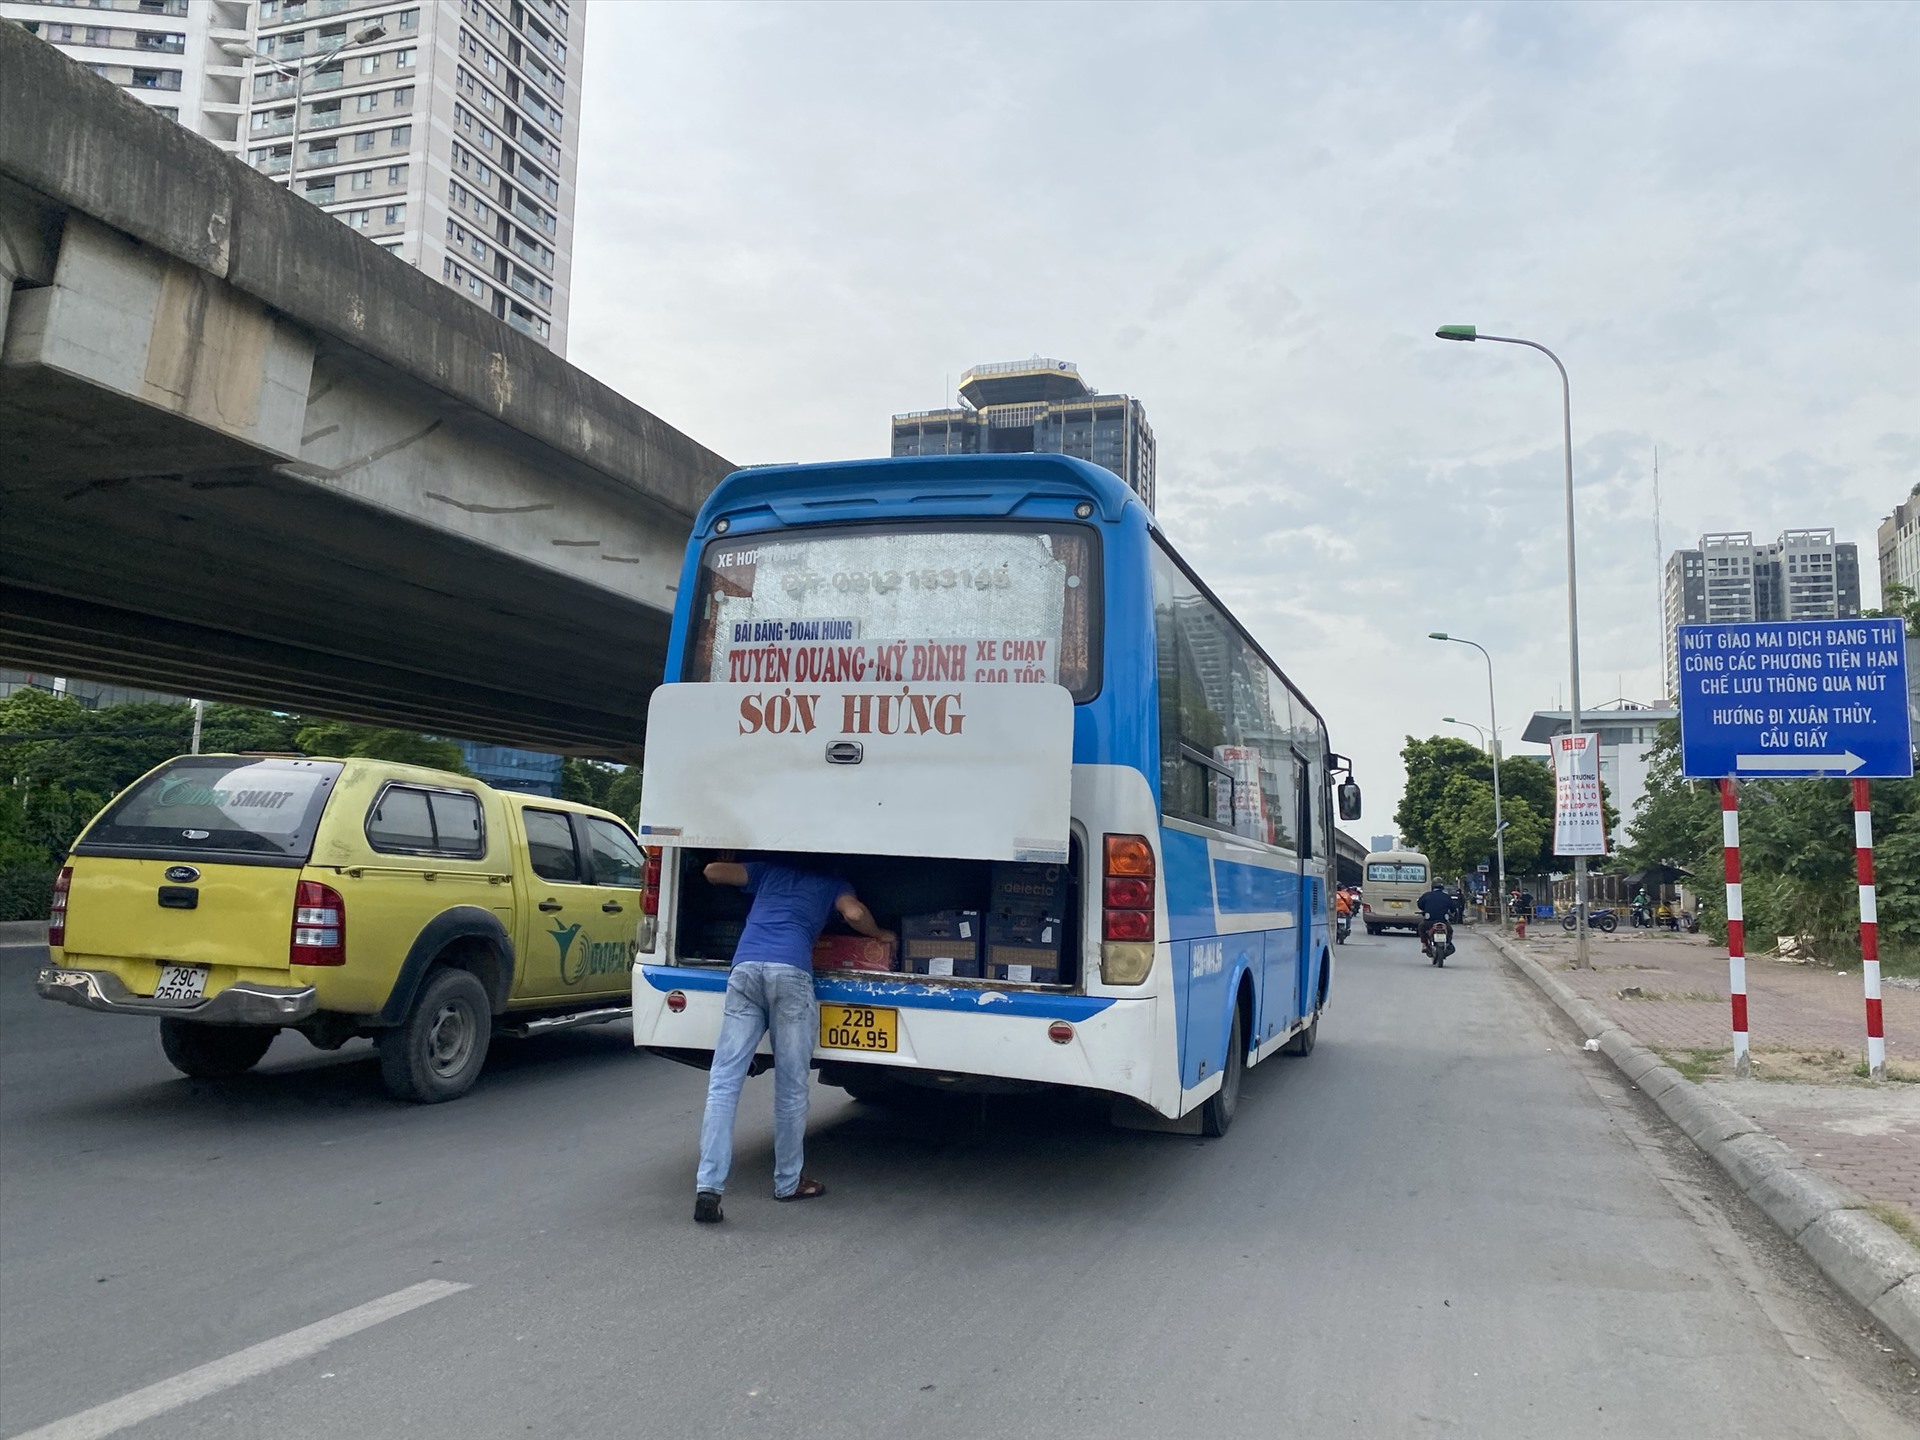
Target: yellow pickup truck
<point>236,896</point>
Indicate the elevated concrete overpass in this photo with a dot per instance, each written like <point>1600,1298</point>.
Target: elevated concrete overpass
<point>1349,857</point>
<point>249,455</point>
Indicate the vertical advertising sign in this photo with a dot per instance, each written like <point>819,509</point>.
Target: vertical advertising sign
<point>1579,825</point>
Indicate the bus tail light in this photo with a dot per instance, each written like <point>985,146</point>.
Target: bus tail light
<point>319,926</point>
<point>1127,911</point>
<point>650,901</point>
<point>57,919</point>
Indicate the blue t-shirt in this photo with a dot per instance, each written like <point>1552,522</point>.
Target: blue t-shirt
<point>790,909</point>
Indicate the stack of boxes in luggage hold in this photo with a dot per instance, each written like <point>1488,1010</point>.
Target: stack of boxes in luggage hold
<point>853,952</point>
<point>945,943</point>
<point>1026,923</point>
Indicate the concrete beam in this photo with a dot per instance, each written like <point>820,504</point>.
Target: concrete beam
<point>256,457</point>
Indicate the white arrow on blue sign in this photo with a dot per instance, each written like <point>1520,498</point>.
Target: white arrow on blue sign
<point>1783,698</point>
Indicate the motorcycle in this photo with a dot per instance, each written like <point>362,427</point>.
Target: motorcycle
<point>1601,919</point>
<point>1342,927</point>
<point>1440,942</point>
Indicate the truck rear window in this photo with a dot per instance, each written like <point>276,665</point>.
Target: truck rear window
<point>218,805</point>
<point>929,603</point>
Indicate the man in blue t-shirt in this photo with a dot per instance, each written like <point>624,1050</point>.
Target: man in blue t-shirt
<point>771,988</point>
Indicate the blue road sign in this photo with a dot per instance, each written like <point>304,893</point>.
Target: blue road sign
<point>1779,698</point>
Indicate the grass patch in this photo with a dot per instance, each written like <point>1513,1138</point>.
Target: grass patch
<point>1896,1073</point>
<point>1898,1220</point>
<point>1695,1064</point>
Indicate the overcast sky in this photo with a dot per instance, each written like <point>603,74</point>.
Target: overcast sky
<point>795,220</point>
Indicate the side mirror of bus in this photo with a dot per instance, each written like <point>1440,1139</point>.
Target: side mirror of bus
<point>1349,800</point>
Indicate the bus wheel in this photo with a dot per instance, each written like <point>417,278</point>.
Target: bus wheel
<point>1303,1042</point>
<point>1217,1113</point>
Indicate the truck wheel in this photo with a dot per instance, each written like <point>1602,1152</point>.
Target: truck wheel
<point>214,1052</point>
<point>1217,1113</point>
<point>437,1052</point>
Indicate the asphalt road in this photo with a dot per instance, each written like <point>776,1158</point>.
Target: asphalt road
<point>1448,1220</point>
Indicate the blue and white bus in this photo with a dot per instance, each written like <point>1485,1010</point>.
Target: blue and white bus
<point>991,694</point>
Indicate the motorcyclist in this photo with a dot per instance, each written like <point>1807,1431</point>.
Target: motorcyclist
<point>1343,902</point>
<point>1436,905</point>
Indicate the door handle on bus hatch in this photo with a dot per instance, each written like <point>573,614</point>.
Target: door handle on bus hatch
<point>845,752</point>
<point>551,905</point>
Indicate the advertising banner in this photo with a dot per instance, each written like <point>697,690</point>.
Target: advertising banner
<point>1579,825</point>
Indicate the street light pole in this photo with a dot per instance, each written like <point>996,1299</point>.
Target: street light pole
<point>1582,955</point>
<point>1493,749</point>
<point>298,74</point>
<point>1469,725</point>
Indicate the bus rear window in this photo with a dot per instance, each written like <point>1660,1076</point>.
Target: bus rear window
<point>1397,874</point>
<point>219,804</point>
<point>1007,605</point>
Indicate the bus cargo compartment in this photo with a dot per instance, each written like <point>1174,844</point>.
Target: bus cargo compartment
<point>972,771</point>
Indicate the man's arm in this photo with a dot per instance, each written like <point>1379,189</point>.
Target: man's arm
<point>859,917</point>
<point>725,872</point>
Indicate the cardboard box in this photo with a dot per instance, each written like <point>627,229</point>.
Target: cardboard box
<point>853,952</point>
<point>945,943</point>
<point>1031,891</point>
<point>1024,964</point>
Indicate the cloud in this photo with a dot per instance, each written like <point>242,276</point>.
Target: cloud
<point>796,220</point>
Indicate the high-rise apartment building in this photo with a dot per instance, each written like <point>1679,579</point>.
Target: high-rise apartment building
<point>1899,546</point>
<point>164,53</point>
<point>1803,575</point>
<point>1028,406</point>
<point>451,139</point>
<point>446,131</point>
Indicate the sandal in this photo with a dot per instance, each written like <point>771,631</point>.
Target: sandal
<point>805,1190</point>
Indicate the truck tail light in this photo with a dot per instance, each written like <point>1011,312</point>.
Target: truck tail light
<point>319,926</point>
<point>1127,910</point>
<point>57,918</point>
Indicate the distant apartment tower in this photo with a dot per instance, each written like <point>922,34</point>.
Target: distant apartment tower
<point>164,53</point>
<point>1899,546</point>
<point>451,141</point>
<point>1028,406</point>
<point>1803,575</point>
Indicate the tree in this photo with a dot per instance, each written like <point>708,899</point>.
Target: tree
<point>1446,810</point>
<point>623,796</point>
<point>587,781</point>
<point>341,740</point>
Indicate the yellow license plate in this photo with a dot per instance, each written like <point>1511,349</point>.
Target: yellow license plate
<point>859,1027</point>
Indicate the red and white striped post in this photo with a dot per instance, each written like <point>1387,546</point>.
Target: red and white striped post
<point>1736,925</point>
<point>1869,931</point>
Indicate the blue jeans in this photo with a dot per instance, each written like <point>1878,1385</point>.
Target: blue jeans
<point>761,997</point>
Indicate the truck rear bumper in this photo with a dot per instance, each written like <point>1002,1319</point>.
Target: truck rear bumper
<point>243,1003</point>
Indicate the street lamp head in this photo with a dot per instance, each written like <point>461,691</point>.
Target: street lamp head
<point>237,50</point>
<point>1438,635</point>
<point>1448,720</point>
<point>1458,332</point>
<point>377,31</point>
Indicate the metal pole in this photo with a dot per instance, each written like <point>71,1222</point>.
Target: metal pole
<point>293,139</point>
<point>1736,925</point>
<point>199,710</point>
<point>1582,955</point>
<point>1493,749</point>
<point>1869,931</point>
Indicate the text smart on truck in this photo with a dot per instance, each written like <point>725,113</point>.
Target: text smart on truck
<point>988,692</point>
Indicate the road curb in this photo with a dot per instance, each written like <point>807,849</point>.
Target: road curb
<point>1877,1269</point>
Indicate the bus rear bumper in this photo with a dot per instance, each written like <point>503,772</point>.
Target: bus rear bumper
<point>1106,1044</point>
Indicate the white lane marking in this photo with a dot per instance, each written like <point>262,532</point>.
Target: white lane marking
<point>242,1365</point>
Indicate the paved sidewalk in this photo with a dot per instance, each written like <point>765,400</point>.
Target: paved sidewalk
<point>1808,1031</point>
